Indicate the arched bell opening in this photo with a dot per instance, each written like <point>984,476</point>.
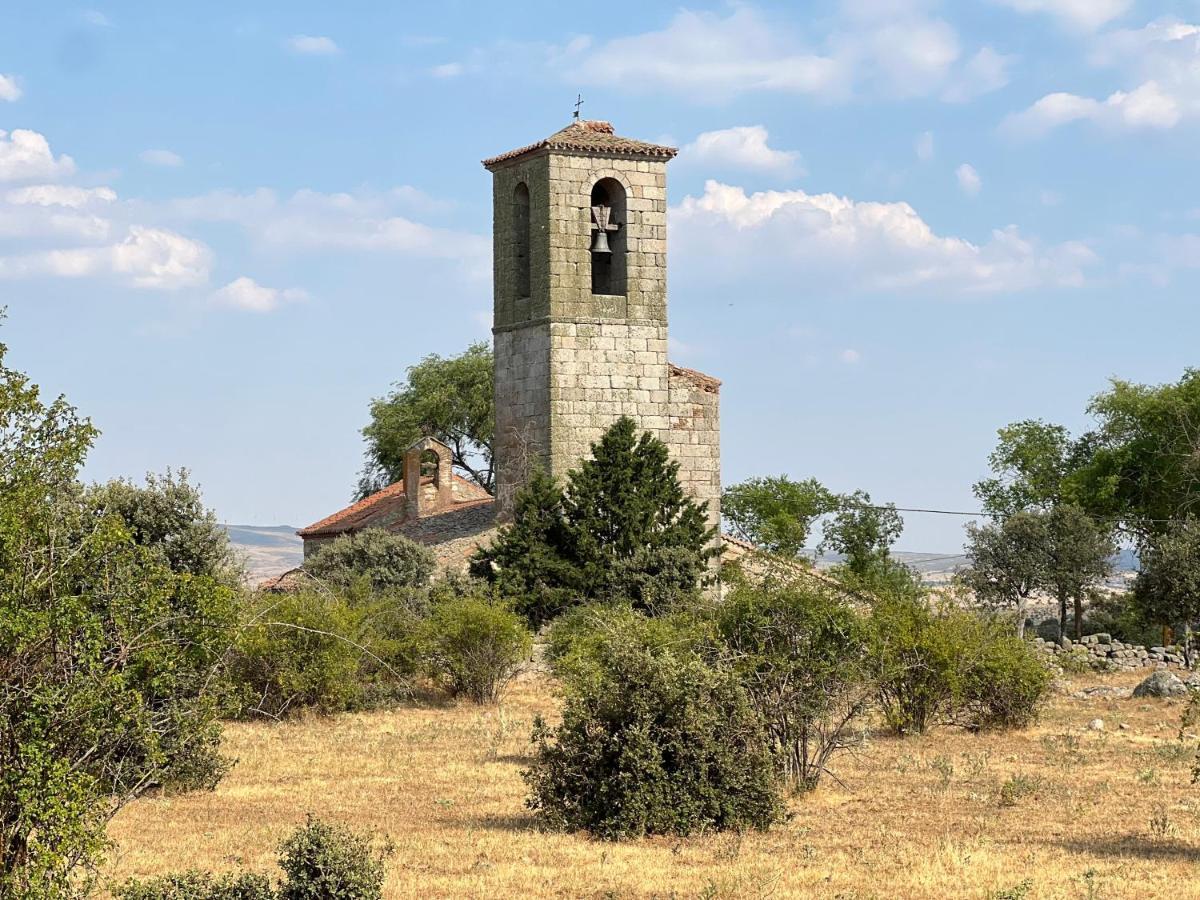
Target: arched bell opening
<point>608,240</point>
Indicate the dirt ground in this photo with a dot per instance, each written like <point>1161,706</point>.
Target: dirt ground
<point>1059,810</point>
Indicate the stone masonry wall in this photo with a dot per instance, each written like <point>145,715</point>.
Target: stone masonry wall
<point>570,362</point>
<point>694,436</point>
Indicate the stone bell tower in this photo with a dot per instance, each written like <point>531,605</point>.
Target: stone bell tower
<point>580,314</point>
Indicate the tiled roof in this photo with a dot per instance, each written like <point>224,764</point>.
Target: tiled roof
<point>702,381</point>
<point>391,499</point>
<point>588,136</point>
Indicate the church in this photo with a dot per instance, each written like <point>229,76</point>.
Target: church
<point>579,238</point>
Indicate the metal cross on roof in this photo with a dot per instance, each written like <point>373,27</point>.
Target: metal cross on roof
<point>578,103</point>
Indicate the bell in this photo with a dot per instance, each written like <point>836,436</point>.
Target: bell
<point>600,242</point>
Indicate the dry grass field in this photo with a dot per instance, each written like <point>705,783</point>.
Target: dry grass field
<point>1056,811</point>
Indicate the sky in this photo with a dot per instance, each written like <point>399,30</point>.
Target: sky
<point>894,227</point>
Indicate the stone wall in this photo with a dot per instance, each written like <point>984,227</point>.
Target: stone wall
<point>1101,651</point>
<point>694,435</point>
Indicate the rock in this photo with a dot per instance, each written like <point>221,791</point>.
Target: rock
<point>1124,726</point>
<point>1096,725</point>
<point>1161,684</point>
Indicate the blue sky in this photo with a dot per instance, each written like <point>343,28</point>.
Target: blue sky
<point>896,225</point>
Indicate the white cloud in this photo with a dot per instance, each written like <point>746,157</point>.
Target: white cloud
<point>836,243</point>
<point>983,73</point>
<point>850,356</point>
<point>164,158</point>
<point>923,146</point>
<point>1162,63</point>
<point>59,195</point>
<point>887,47</point>
<point>1084,14</point>
<point>706,55</point>
<point>447,70</point>
<point>26,156</point>
<point>9,89</point>
<point>309,45</point>
<point>248,295</point>
<point>146,258</point>
<point>741,147</point>
<point>969,181</point>
<point>361,222</point>
<point>96,18</point>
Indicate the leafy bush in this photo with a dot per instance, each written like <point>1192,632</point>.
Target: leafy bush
<point>653,741</point>
<point>1119,615</point>
<point>799,649</point>
<point>1006,683</point>
<point>473,644</point>
<point>319,651</point>
<point>328,862</point>
<point>193,885</point>
<point>946,665</point>
<point>382,560</point>
<point>319,861</point>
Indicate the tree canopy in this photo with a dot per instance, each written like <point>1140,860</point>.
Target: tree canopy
<point>621,528</point>
<point>448,398</point>
<point>776,513</point>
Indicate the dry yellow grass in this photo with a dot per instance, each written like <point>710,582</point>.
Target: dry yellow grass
<point>1093,814</point>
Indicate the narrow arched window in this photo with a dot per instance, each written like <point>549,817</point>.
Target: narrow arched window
<point>608,237</point>
<point>520,238</point>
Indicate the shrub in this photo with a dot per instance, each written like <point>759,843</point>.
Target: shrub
<point>318,651</point>
<point>474,644</point>
<point>1006,683</point>
<point>193,885</point>
<point>653,741</point>
<point>383,560</point>
<point>946,665</point>
<point>799,649</point>
<point>319,861</point>
<point>328,862</point>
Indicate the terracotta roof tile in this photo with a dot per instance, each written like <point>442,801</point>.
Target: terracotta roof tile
<point>589,137</point>
<point>702,381</point>
<point>391,499</point>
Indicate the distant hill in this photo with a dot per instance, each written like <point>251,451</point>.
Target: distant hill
<point>267,550</point>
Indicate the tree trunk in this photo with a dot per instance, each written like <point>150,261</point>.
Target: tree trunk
<point>1021,616</point>
<point>1062,616</point>
<point>1078,617</point>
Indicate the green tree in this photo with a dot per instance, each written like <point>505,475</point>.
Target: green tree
<point>1078,554</point>
<point>1032,464</point>
<point>1143,462</point>
<point>622,529</point>
<point>1167,589</point>
<point>776,513</point>
<point>168,516</point>
<point>1009,561</point>
<point>862,532</point>
<point>107,656</point>
<point>449,398</point>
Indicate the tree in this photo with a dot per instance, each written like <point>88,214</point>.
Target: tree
<point>862,532</point>
<point>1078,554</point>
<point>622,528</point>
<point>1143,464</point>
<point>450,399</point>
<point>1008,561</point>
<point>1167,589</point>
<point>1032,463</point>
<point>776,513</point>
<point>168,516</point>
<point>107,655</point>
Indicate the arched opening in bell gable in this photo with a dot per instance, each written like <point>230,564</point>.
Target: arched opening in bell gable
<point>609,239</point>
